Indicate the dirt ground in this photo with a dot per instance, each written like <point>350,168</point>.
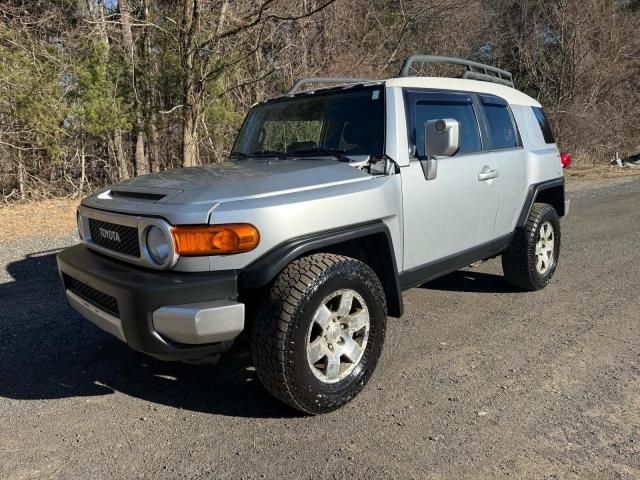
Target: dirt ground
<point>476,380</point>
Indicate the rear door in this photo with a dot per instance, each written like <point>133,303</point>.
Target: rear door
<point>455,212</point>
<point>503,140</point>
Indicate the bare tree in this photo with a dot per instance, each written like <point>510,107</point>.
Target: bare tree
<point>209,31</point>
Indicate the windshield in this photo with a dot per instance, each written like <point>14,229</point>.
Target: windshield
<point>347,122</point>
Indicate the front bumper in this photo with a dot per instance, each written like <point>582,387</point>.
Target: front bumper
<point>169,315</point>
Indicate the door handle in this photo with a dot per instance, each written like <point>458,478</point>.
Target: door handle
<point>488,173</point>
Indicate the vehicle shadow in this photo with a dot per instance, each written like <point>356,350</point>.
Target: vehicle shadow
<point>471,282</point>
<point>47,351</point>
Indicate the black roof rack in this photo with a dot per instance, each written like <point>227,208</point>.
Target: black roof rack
<point>306,81</point>
<point>473,70</point>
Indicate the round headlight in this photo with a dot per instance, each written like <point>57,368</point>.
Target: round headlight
<point>158,245</point>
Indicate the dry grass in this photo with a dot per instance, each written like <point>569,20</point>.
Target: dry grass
<point>593,172</point>
<point>593,165</point>
<point>48,218</point>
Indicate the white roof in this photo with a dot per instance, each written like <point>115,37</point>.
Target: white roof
<point>511,95</point>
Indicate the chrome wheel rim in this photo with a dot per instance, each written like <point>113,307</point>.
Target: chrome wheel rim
<point>545,248</point>
<point>338,336</point>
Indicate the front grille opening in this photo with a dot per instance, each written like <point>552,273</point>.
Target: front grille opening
<point>154,197</point>
<point>119,238</point>
<point>101,300</point>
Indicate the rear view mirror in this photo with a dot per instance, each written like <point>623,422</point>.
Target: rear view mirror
<point>441,138</point>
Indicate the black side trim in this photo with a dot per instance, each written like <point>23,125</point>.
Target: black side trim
<point>430,271</point>
<point>532,194</point>
<point>264,270</point>
<point>499,245</point>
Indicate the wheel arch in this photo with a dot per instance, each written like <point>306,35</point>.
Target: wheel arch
<point>550,192</point>
<point>370,243</point>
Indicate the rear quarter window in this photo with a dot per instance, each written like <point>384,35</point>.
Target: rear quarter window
<point>503,133</point>
<point>545,125</point>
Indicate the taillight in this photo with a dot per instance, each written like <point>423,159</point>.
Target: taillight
<point>565,159</point>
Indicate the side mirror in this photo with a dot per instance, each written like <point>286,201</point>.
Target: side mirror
<point>441,139</point>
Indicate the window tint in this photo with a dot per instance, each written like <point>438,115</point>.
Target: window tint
<point>422,107</point>
<point>502,131</point>
<point>545,126</point>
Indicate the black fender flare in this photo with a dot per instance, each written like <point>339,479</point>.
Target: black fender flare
<point>263,270</point>
<point>557,200</point>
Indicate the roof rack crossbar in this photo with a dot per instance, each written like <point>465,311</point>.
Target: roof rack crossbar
<point>473,70</point>
<point>306,81</point>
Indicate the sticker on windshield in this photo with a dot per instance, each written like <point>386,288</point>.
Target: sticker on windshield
<point>375,94</point>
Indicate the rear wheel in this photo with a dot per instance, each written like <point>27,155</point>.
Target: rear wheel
<point>531,260</point>
<point>319,333</point>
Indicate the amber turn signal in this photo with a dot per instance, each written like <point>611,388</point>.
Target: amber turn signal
<point>195,240</point>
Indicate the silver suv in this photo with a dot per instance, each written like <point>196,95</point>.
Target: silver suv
<point>332,203</point>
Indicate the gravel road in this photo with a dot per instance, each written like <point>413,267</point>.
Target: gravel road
<point>476,381</point>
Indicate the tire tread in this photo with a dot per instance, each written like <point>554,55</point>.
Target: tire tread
<point>271,344</point>
<point>518,261</point>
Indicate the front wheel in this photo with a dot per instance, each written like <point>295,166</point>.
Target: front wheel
<point>532,258</point>
<point>319,333</point>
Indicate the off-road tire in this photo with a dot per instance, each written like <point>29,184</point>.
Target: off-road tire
<point>282,322</point>
<point>519,260</point>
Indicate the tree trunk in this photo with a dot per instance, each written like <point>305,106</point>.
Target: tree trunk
<point>154,153</point>
<point>20,175</point>
<point>189,25</point>
<point>121,158</point>
<point>83,166</point>
<point>150,115</point>
<point>194,88</point>
<point>189,132</point>
<point>141,161</point>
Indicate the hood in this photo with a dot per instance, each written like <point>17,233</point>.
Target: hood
<point>188,195</point>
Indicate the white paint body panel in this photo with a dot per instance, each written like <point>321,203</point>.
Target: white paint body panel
<point>511,95</point>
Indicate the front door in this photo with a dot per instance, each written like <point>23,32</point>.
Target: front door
<point>454,214</point>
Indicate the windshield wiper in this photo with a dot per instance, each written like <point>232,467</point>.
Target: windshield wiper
<point>238,155</point>
<point>339,153</point>
<point>268,153</point>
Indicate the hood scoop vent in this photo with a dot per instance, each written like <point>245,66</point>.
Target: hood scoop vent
<point>133,195</point>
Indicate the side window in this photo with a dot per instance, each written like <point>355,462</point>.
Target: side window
<point>422,107</point>
<point>545,126</point>
<point>502,131</point>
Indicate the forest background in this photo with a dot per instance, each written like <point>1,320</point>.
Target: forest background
<point>96,91</point>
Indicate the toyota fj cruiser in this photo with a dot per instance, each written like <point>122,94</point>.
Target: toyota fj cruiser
<point>333,202</point>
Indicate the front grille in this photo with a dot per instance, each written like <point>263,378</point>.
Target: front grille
<point>101,300</point>
<point>119,238</point>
